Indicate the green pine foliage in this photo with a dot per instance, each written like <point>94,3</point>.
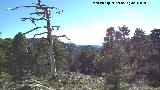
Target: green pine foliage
<point>60,54</point>
<point>18,56</point>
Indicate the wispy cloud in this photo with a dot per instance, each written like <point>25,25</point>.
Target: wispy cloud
<point>131,14</point>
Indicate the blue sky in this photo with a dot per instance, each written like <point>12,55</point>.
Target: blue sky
<point>82,21</point>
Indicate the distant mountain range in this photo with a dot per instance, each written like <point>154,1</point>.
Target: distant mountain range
<point>72,47</point>
<point>96,46</point>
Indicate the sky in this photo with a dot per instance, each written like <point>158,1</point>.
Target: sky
<point>84,22</point>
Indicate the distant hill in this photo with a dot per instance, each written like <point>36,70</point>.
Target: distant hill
<point>96,46</point>
<point>71,47</point>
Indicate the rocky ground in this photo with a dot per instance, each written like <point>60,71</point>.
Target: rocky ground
<point>64,81</point>
<point>68,81</point>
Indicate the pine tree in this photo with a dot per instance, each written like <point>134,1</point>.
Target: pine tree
<point>155,35</point>
<point>125,32</point>
<point>61,55</point>
<point>117,69</point>
<point>114,61</point>
<point>86,59</point>
<point>18,57</point>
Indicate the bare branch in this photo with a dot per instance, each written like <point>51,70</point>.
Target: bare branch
<point>19,7</point>
<point>38,13</point>
<point>61,36</point>
<point>31,30</point>
<point>34,37</point>
<point>68,38</point>
<point>33,19</point>
<point>56,27</point>
<point>15,8</point>
<point>39,34</point>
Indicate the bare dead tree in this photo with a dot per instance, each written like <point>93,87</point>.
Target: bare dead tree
<point>45,12</point>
